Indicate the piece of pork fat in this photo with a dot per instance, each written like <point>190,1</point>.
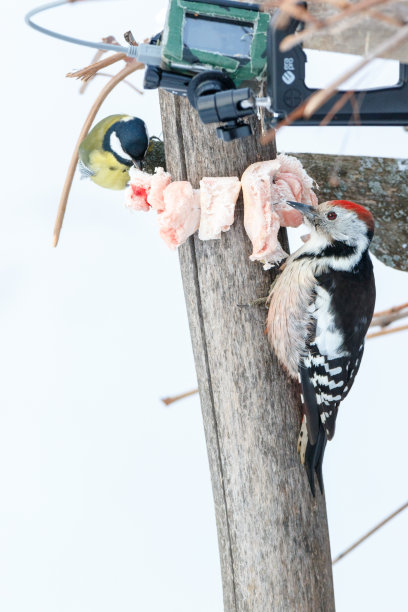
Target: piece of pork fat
<point>159,181</point>
<point>293,183</point>
<point>181,215</point>
<point>261,221</point>
<point>138,191</point>
<point>266,186</point>
<point>218,196</point>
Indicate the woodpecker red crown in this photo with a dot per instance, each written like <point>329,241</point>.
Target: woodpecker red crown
<point>360,211</point>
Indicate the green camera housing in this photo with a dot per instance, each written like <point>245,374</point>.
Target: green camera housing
<point>227,36</point>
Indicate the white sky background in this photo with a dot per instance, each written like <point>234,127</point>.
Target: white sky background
<point>106,500</point>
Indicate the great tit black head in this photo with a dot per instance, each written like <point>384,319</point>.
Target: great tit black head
<point>127,139</point>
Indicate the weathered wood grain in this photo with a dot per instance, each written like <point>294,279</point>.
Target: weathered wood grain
<point>273,536</point>
<point>380,184</point>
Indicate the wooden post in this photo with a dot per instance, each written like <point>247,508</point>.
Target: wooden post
<point>273,535</point>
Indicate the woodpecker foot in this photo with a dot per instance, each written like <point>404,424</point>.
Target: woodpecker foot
<point>262,301</point>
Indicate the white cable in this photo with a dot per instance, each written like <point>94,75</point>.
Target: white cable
<point>131,51</point>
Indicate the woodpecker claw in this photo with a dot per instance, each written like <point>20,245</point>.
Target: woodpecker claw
<point>262,301</point>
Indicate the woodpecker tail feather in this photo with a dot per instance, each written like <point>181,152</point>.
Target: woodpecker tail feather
<point>311,455</point>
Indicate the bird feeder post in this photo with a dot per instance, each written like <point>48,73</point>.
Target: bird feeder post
<point>273,535</point>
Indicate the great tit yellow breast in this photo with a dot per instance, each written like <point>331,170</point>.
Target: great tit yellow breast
<point>108,172</point>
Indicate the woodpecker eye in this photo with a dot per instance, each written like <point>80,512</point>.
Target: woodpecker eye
<point>331,216</point>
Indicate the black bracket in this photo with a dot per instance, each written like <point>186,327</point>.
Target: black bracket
<point>287,89</point>
<point>212,93</point>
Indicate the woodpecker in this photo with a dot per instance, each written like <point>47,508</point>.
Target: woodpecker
<point>320,308</point>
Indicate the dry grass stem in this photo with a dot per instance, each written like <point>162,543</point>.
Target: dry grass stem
<point>125,82</point>
<point>98,55</point>
<point>95,59</point>
<point>87,73</point>
<point>126,71</point>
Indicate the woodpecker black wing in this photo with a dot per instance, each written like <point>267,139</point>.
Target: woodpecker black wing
<point>329,381</point>
<point>344,314</point>
<point>325,383</point>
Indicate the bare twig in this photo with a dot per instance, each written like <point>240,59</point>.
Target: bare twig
<point>388,319</point>
<point>388,19</point>
<point>176,398</point>
<point>369,533</point>
<point>390,311</point>
<point>352,10</point>
<point>384,332</point>
<point>337,106</point>
<point>128,69</point>
<point>384,318</point>
<point>289,9</point>
<point>319,98</point>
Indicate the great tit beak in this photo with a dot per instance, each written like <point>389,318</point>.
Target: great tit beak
<point>307,211</point>
<point>137,163</point>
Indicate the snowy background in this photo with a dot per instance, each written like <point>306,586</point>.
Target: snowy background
<point>105,494</point>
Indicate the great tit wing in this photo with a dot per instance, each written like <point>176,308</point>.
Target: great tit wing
<point>84,170</point>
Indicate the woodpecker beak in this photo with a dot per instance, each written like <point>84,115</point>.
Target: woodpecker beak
<point>307,211</point>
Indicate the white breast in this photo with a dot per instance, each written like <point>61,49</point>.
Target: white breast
<point>289,315</point>
<point>329,339</point>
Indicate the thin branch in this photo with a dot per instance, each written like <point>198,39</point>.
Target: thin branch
<point>319,98</point>
<point>337,106</point>
<point>381,319</point>
<point>176,398</point>
<point>289,9</point>
<point>369,533</point>
<point>390,310</point>
<point>128,69</point>
<point>388,319</point>
<point>384,332</point>
<point>388,19</point>
<point>352,10</point>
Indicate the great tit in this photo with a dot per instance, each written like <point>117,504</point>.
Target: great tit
<point>110,149</point>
